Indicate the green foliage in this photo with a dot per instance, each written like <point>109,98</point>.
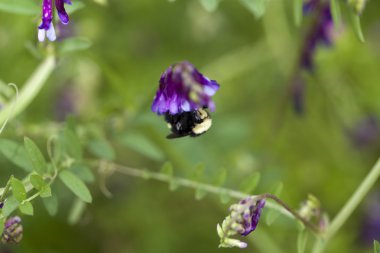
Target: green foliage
<point>336,13</point>
<point>83,172</point>
<point>102,149</point>
<point>142,145</point>
<point>210,5</point>
<point>376,246</point>
<point>51,204</point>
<point>18,189</point>
<point>10,205</point>
<point>272,214</point>
<point>73,45</point>
<point>35,155</point>
<point>298,11</point>
<point>167,169</point>
<point>302,241</point>
<point>257,7</point>
<point>40,185</point>
<point>249,184</point>
<point>23,7</point>
<point>76,185</point>
<point>71,144</point>
<point>26,208</point>
<point>356,26</point>
<point>15,153</point>
<point>76,211</point>
<point>2,221</point>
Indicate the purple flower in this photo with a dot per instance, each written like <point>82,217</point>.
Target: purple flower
<point>242,220</point>
<point>366,133</point>
<point>370,224</point>
<point>251,216</point>
<point>12,230</point>
<point>183,89</point>
<point>46,27</point>
<point>320,32</point>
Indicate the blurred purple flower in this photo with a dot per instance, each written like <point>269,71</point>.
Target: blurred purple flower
<point>319,33</point>
<point>298,94</point>
<point>370,226</point>
<point>46,27</point>
<point>65,103</point>
<point>12,230</point>
<point>183,89</point>
<point>366,132</point>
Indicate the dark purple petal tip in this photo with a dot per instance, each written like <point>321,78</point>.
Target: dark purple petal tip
<point>182,88</point>
<point>250,222</point>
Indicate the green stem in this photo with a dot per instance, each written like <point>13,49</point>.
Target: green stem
<point>30,89</point>
<point>195,185</point>
<point>5,190</point>
<point>352,203</point>
<point>308,224</point>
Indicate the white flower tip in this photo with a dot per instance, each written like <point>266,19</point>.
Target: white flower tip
<point>220,231</point>
<point>50,33</point>
<point>41,35</point>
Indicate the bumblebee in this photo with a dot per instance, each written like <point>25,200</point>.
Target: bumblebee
<point>193,123</point>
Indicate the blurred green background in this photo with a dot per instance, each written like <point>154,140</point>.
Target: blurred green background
<point>109,87</point>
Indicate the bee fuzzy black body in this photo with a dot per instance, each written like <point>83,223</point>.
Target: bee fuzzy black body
<point>193,123</point>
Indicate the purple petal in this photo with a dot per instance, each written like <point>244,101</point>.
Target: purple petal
<point>60,6</point>
<point>47,14</point>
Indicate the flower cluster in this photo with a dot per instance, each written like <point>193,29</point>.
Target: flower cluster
<point>12,230</point>
<point>183,89</point>
<point>242,220</point>
<point>46,27</point>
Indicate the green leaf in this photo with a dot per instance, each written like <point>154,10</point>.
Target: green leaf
<point>45,192</point>
<point>356,26</point>
<point>198,172</point>
<point>74,45</point>
<point>167,169</point>
<point>76,185</point>
<point>301,241</point>
<point>37,181</point>
<point>210,5</point>
<point>298,11</point>
<point>376,246</point>
<point>221,178</point>
<point>18,189</point>
<point>35,155</point>
<point>83,172</point>
<point>257,7</point>
<point>272,216</point>
<point>200,194</point>
<point>142,145</point>
<point>39,184</point>
<point>250,183</point>
<point>26,208</point>
<point>224,197</point>
<point>15,153</point>
<point>24,7</point>
<point>76,211</point>
<point>10,205</point>
<point>51,205</point>
<point>336,13</point>
<point>102,149</point>
<point>71,144</point>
